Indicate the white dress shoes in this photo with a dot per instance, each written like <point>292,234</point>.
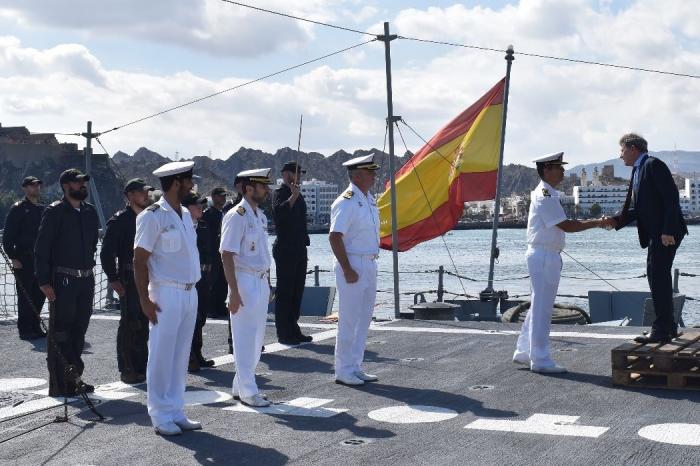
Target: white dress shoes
<point>547,368</point>
<point>351,380</point>
<point>168,429</point>
<point>521,358</point>
<point>188,424</point>
<point>237,397</point>
<point>255,401</point>
<point>365,376</point>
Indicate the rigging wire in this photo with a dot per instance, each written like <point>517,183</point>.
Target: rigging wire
<point>469,46</point>
<point>427,200</point>
<point>299,18</point>
<point>276,73</point>
<point>553,57</point>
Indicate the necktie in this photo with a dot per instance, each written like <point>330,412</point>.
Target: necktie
<point>635,185</point>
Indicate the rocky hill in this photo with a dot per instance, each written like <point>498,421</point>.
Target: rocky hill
<point>221,172</point>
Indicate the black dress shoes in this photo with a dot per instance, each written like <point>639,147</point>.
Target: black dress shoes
<point>653,337</point>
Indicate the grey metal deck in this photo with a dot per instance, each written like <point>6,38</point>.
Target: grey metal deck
<point>463,368</point>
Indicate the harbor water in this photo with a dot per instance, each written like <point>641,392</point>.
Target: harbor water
<point>613,255</point>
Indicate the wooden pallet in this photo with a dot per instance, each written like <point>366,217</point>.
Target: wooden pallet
<point>674,365</point>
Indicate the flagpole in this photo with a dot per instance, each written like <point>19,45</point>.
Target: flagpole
<point>390,120</point>
<point>488,293</point>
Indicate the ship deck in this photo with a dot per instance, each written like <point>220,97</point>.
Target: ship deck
<point>448,394</point>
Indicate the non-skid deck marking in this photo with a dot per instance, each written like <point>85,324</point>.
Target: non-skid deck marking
<point>383,327</point>
<point>412,414</point>
<point>473,331</point>
<point>542,424</point>
<point>674,434</point>
<point>304,406</point>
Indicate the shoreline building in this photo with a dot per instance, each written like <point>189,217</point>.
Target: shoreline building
<point>690,196</point>
<point>610,198</point>
<point>319,196</point>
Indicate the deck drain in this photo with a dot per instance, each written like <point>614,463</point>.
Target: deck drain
<point>355,442</point>
<point>481,387</point>
<point>376,342</point>
<point>412,359</point>
<point>566,350</point>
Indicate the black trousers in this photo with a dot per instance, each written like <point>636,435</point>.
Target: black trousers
<point>27,318</point>
<point>202,309</point>
<point>132,333</point>
<point>218,289</point>
<point>659,264</point>
<point>291,278</point>
<point>69,318</point>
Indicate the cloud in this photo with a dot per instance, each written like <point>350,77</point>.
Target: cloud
<point>211,26</point>
<point>554,105</point>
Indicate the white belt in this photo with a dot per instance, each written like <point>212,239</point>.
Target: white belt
<point>365,256</point>
<point>171,284</point>
<point>546,247</point>
<point>256,273</point>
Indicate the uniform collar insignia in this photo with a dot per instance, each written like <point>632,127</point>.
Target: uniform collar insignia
<point>545,192</point>
<point>348,194</point>
<point>240,210</point>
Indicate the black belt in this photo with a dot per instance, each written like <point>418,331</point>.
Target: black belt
<point>77,273</point>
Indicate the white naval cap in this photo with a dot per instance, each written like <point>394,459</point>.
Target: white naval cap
<point>551,159</point>
<point>173,168</point>
<point>257,175</point>
<point>365,161</point>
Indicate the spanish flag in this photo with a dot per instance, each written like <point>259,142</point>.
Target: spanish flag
<point>459,164</point>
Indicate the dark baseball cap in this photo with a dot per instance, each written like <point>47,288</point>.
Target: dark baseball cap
<point>292,166</point>
<point>31,180</point>
<point>193,198</point>
<point>72,174</point>
<point>219,191</point>
<point>137,184</point>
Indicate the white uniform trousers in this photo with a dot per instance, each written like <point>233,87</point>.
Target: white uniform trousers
<point>544,267</point>
<point>169,343</point>
<point>356,306</point>
<point>248,329</point>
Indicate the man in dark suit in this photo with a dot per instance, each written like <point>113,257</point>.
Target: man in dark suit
<point>652,201</point>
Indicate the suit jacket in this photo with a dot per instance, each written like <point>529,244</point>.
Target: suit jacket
<point>656,207</point>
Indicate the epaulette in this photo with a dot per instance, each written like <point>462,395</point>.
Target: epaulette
<point>545,192</point>
<point>240,210</point>
<point>55,203</point>
<point>153,207</point>
<point>17,203</point>
<point>348,194</point>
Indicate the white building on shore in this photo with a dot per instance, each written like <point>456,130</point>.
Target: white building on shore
<point>690,196</point>
<point>610,198</point>
<point>319,196</point>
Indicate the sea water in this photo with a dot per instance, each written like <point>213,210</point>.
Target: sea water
<point>612,255</point>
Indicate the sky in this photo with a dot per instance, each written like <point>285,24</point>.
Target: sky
<point>64,63</point>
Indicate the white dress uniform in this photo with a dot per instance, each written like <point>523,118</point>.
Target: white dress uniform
<point>355,215</point>
<point>544,244</point>
<point>244,233</point>
<point>173,271</point>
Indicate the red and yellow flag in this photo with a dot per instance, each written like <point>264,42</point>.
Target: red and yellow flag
<point>459,164</point>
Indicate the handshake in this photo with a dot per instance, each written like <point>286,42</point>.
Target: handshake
<point>607,222</point>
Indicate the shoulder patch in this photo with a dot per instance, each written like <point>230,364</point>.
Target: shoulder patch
<point>153,207</point>
<point>240,210</point>
<point>545,192</point>
<point>348,194</point>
